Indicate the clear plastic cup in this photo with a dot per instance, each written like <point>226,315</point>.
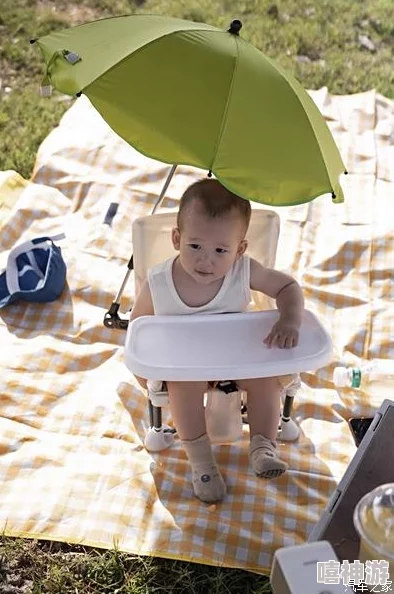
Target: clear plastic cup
<point>374,521</point>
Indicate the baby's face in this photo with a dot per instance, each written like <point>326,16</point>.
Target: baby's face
<point>209,247</point>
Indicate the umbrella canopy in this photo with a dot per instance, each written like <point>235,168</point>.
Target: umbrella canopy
<point>189,93</point>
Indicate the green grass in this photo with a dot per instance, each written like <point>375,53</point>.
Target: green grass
<point>32,567</point>
<point>320,42</point>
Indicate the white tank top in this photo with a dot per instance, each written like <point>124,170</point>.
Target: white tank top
<point>233,296</point>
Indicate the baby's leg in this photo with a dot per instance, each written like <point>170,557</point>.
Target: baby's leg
<point>263,416</point>
<point>187,409</point>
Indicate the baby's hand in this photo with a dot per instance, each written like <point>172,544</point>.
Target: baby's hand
<point>284,334</point>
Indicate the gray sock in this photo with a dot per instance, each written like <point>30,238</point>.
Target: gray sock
<point>264,459</point>
<point>207,481</point>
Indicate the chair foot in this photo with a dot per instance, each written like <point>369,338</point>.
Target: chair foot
<point>159,439</point>
<point>288,430</point>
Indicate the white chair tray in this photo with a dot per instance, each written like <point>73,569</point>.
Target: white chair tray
<point>220,347</point>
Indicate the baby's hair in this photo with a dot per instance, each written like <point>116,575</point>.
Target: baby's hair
<point>215,200</point>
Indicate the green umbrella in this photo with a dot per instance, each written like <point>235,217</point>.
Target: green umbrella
<point>188,93</point>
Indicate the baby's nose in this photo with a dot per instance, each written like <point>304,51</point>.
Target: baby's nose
<point>206,258</point>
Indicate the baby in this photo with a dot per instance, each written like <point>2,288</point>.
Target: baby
<point>212,274</point>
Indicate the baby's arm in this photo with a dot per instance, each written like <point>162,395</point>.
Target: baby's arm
<point>289,301</point>
<point>143,306</point>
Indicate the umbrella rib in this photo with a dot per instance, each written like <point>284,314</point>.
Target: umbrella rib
<point>224,117</point>
<point>316,135</point>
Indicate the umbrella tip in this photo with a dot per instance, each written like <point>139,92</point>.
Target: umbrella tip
<point>235,27</point>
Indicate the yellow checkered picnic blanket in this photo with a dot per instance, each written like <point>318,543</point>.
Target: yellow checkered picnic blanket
<point>72,418</point>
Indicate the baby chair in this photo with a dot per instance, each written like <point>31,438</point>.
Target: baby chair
<point>152,244</point>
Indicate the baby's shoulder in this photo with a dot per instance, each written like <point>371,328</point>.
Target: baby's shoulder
<point>255,265</point>
<point>258,272</point>
<point>161,266</point>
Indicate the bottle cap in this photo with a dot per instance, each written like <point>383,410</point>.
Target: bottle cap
<point>356,377</point>
<point>341,377</point>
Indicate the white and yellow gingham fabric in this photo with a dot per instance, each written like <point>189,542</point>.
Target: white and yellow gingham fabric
<point>72,419</point>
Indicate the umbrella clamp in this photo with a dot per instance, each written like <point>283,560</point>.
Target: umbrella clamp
<point>112,319</point>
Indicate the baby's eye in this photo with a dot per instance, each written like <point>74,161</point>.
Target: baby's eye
<point>194,246</point>
<point>221,251</point>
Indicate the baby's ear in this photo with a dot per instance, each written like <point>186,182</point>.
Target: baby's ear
<point>176,238</point>
<point>243,244</point>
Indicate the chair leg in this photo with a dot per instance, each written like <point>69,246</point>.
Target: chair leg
<point>288,429</point>
<point>159,436</point>
<point>287,407</point>
<point>155,416</point>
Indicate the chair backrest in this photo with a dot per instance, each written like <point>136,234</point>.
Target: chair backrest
<point>152,244</point>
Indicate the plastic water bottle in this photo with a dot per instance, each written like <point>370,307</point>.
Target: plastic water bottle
<point>223,416</point>
<point>375,376</point>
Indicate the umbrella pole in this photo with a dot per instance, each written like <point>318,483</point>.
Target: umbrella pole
<point>111,318</point>
<point>164,189</point>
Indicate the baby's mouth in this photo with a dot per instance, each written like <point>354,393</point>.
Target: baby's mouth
<point>202,273</point>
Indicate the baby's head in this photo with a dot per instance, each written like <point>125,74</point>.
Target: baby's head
<point>211,226</point>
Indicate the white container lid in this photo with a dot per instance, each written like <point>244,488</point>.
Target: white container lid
<point>374,519</point>
<point>220,347</point>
